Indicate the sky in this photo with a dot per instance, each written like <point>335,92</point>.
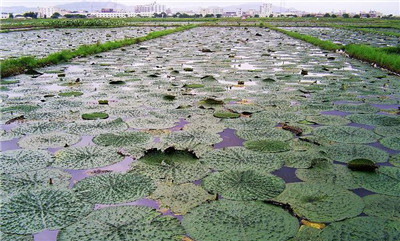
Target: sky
<point>385,6</point>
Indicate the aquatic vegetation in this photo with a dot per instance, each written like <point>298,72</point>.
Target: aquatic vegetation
<point>15,161</point>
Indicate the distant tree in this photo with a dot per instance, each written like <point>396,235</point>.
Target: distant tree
<point>345,15</point>
<point>271,15</point>
<point>30,15</point>
<point>219,15</point>
<point>176,15</point>
<point>10,15</point>
<point>333,16</point>
<point>327,15</point>
<point>368,16</point>
<point>55,15</point>
<point>209,15</point>
<point>163,14</point>
<point>256,16</point>
<point>356,16</point>
<point>75,16</point>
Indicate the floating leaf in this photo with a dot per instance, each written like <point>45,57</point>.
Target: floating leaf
<point>24,160</point>
<point>113,188</point>
<point>321,202</point>
<point>306,233</point>
<point>362,228</point>
<point>86,157</point>
<point>34,211</point>
<point>37,128</point>
<point>267,145</point>
<point>71,93</point>
<point>238,220</point>
<point>364,165</point>
<point>122,139</point>
<point>345,153</point>
<point>244,185</point>
<point>123,223</point>
<point>151,123</point>
<point>15,237</point>
<point>346,134</point>
<point>300,159</point>
<point>249,124</point>
<point>180,198</point>
<point>326,172</point>
<point>239,158</point>
<point>382,206</point>
<point>97,127</point>
<point>328,120</point>
<point>190,139</point>
<point>375,119</point>
<point>170,165</point>
<point>387,130</point>
<point>94,116</point>
<point>270,133</point>
<point>20,108</point>
<point>392,142</point>
<point>357,108</point>
<point>49,140</point>
<point>26,181</point>
<point>226,115</point>
<point>395,160</point>
<point>386,180</point>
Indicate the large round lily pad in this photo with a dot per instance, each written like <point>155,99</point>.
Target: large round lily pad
<point>321,202</point>
<point>382,206</point>
<point>26,181</point>
<point>170,165</point>
<point>362,228</point>
<point>392,142</point>
<point>180,198</point>
<point>357,108</point>
<point>267,145</point>
<point>346,134</point>
<point>15,237</point>
<point>386,180</point>
<point>86,157</point>
<point>191,138</point>
<point>395,160</point>
<point>150,122</point>
<point>15,161</point>
<point>34,211</point>
<point>267,133</point>
<point>244,185</point>
<point>123,223</point>
<point>50,140</point>
<point>326,172</point>
<point>375,119</point>
<point>239,158</point>
<point>113,188</point>
<point>299,159</point>
<point>241,221</point>
<point>122,139</point>
<point>328,120</point>
<point>97,127</point>
<point>347,152</point>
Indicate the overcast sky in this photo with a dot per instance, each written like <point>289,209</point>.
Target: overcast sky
<point>385,6</point>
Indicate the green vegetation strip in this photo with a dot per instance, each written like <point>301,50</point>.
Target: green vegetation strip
<point>324,44</point>
<point>384,57</point>
<point>16,66</point>
<point>369,29</point>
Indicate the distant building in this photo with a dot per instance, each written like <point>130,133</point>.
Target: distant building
<point>229,15</point>
<point>265,10</point>
<point>107,10</point>
<point>47,12</point>
<point>150,8</point>
<point>4,15</point>
<point>113,15</point>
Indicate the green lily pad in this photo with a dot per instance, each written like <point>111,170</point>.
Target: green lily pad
<point>226,115</point>
<point>49,140</point>
<point>113,188</point>
<point>244,185</point>
<point>15,161</point>
<point>86,157</point>
<point>34,211</point>
<point>395,160</point>
<point>190,138</point>
<point>94,116</point>
<point>306,233</point>
<point>347,152</point>
<point>386,180</point>
<point>328,120</point>
<point>97,127</point>
<point>239,158</point>
<point>151,123</point>
<point>300,159</point>
<point>15,237</point>
<point>122,139</point>
<point>374,119</point>
<point>321,202</point>
<point>71,93</point>
<point>26,181</point>
<point>267,133</point>
<point>170,165</point>
<point>180,198</point>
<point>267,145</point>
<point>20,108</point>
<point>357,108</point>
<point>193,86</point>
<point>392,142</point>
<point>123,223</point>
<point>362,228</point>
<point>326,172</point>
<point>346,134</point>
<point>241,221</point>
<point>364,165</point>
<point>382,206</point>
<point>37,128</point>
<point>387,130</point>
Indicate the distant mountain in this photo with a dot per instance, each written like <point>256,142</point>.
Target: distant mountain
<point>18,9</point>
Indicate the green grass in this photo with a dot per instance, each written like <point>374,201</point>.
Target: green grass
<point>324,44</point>
<point>388,58</point>
<point>16,66</point>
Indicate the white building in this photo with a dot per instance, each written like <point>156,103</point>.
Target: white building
<point>150,8</point>
<point>4,15</point>
<point>265,10</point>
<point>47,12</point>
<point>114,15</point>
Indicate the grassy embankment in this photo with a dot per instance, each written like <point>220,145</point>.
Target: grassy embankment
<point>388,58</point>
<point>16,66</point>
